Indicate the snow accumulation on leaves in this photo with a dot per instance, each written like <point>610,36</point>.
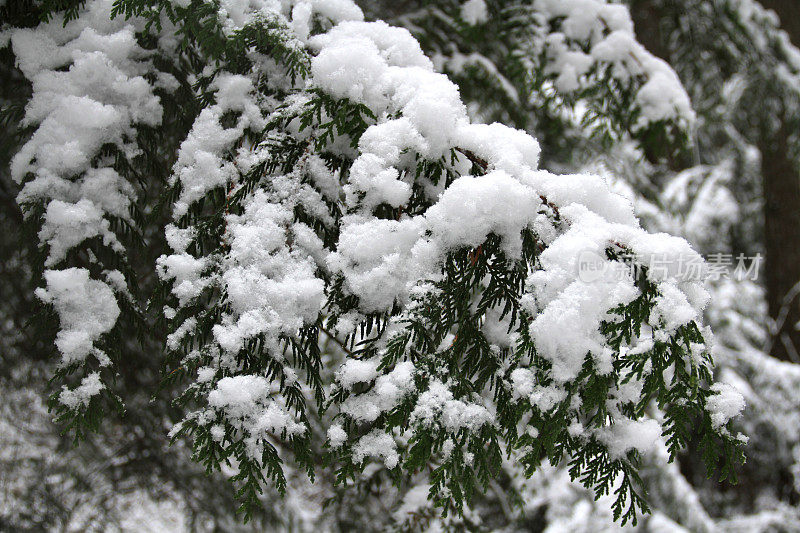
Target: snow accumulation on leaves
<point>200,167</point>
<point>368,200</point>
<point>86,308</point>
<point>388,391</point>
<point>89,92</point>
<point>272,290</point>
<point>383,261</point>
<point>82,394</point>
<point>243,398</point>
<point>608,29</point>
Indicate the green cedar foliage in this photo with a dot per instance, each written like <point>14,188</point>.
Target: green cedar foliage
<point>440,332</point>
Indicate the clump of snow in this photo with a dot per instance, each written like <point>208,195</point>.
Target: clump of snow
<point>336,436</point>
<point>579,308</point>
<point>673,307</point>
<point>90,386</point>
<point>545,398</point>
<point>205,374</point>
<point>374,178</point>
<point>174,339</point>
<point>355,371</point>
<point>389,390</point>
<point>377,444</point>
<point>474,12</point>
<point>470,209</point>
<point>272,289</point>
<point>495,329</point>
<point>334,10</point>
<point>382,260</point>
<point>522,382</point>
<point>724,404</point>
<point>249,404</point>
<point>625,435</point>
<point>186,272</point>
<point>564,300</point>
<point>237,394</point>
<point>437,405</point>
<point>66,225</point>
<point>86,310</point>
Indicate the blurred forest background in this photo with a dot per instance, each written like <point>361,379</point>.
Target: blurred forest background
<point>731,188</point>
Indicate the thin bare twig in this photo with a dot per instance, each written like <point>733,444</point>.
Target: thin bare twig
<point>341,345</point>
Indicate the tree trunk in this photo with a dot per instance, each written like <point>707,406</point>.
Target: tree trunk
<point>781,181</point>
